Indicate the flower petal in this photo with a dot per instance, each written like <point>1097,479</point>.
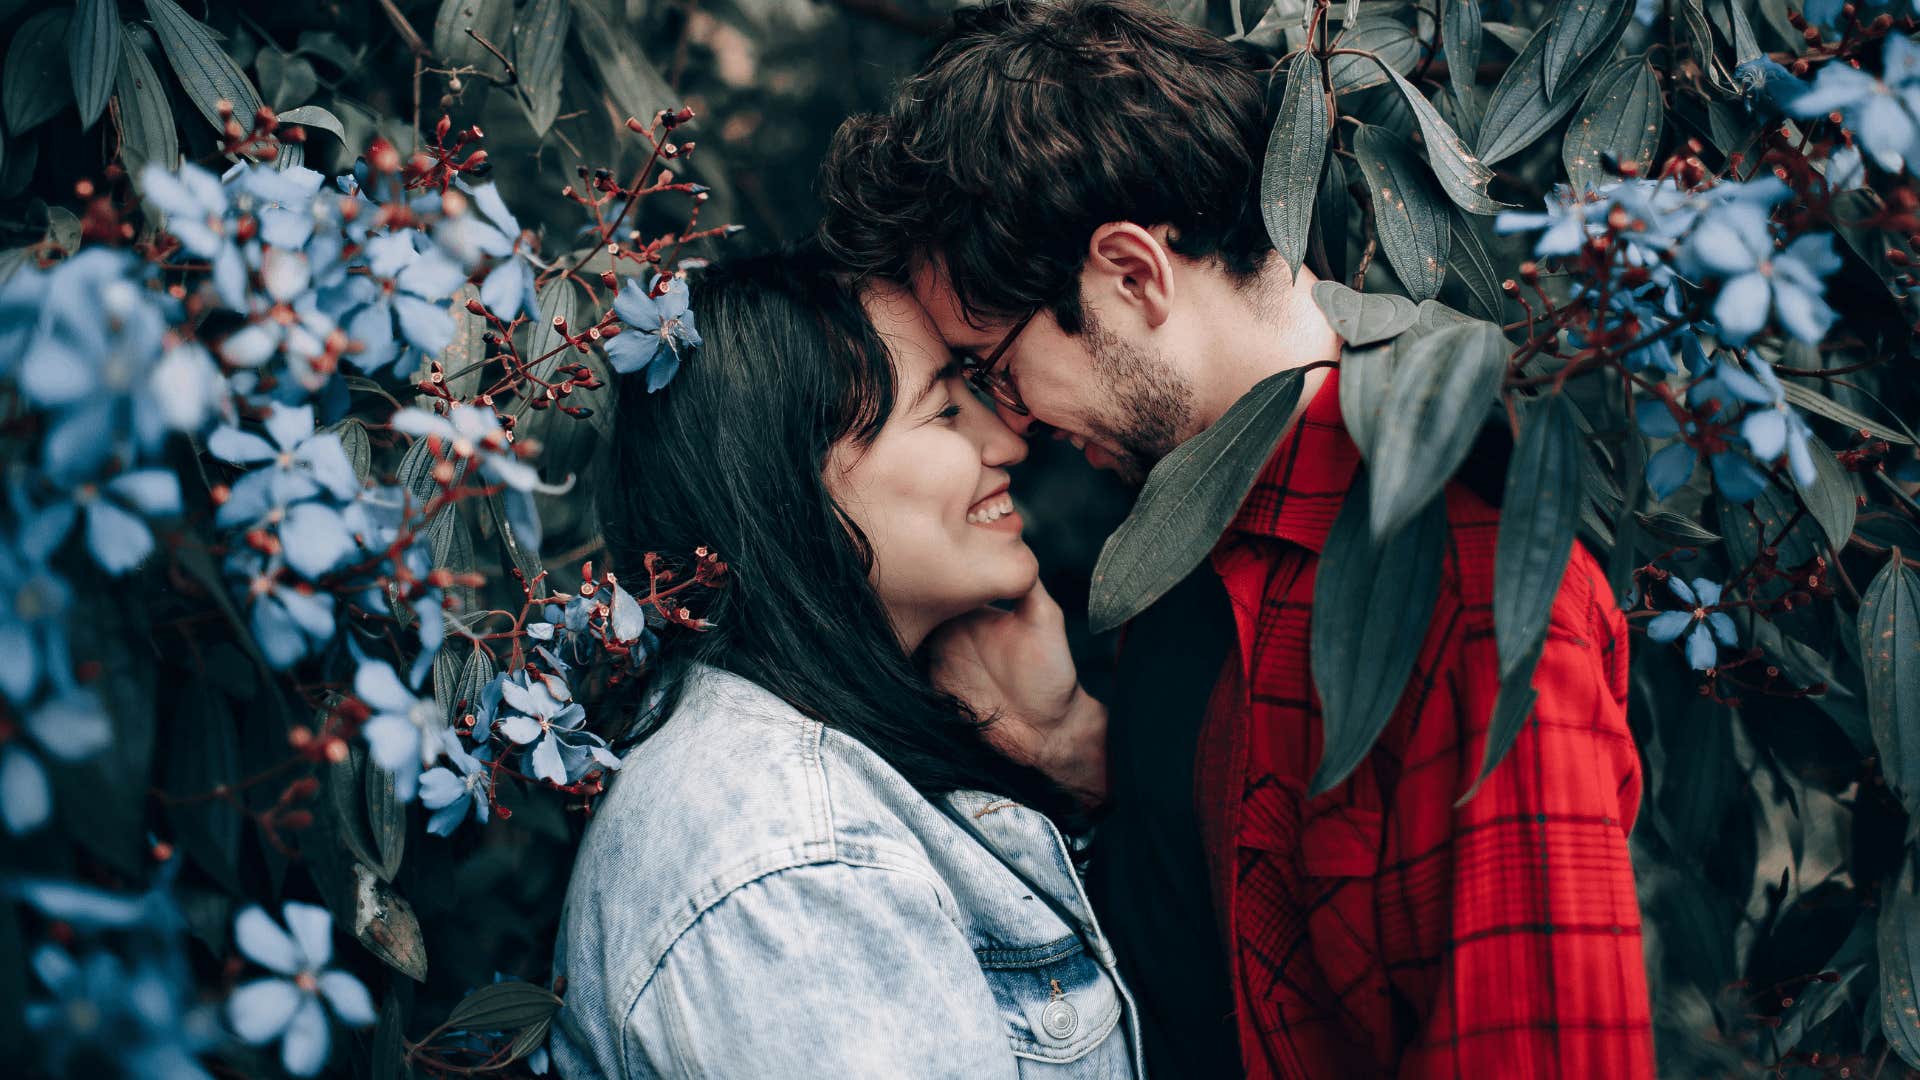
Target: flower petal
<point>349,998</point>
<point>377,684</point>
<point>72,727</point>
<point>26,800</point>
<point>117,539</point>
<point>546,761</point>
<point>261,1009</point>
<point>1669,470</point>
<point>1741,309</point>
<point>305,1050</point>
<point>1668,625</point>
<point>312,927</point>
<point>1702,654</point>
<point>1766,431</point>
<point>262,941</point>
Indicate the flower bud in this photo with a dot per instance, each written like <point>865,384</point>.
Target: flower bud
<point>474,305</point>
<point>440,129</point>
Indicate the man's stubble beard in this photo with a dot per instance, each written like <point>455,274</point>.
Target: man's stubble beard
<point>1147,406</point>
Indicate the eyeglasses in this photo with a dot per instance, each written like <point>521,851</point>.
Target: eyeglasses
<point>985,377</point>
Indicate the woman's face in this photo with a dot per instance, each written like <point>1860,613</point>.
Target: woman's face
<point>930,492</point>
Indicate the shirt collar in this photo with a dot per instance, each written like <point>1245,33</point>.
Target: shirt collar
<point>1299,491</point>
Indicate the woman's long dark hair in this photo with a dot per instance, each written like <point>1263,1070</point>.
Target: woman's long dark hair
<point>731,456</point>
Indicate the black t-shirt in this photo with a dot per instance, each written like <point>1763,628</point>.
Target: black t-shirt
<point>1147,875</point>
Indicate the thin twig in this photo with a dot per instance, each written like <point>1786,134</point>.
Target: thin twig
<point>407,33</point>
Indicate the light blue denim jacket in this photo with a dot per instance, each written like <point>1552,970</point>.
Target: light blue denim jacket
<point>759,896</point>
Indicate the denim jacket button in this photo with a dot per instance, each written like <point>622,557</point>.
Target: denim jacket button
<point>1059,1018</point>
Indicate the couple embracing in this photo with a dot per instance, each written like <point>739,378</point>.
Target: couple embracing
<point>879,830</point>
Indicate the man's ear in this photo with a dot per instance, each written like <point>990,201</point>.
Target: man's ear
<point>1129,265</point>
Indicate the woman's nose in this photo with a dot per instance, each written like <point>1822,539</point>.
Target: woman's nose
<point>1000,442</point>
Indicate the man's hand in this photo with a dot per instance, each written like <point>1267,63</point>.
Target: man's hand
<point>1015,665</point>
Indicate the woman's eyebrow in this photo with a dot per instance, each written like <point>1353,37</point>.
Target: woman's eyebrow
<point>948,372</point>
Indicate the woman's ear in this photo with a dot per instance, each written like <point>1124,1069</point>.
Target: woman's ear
<point>1130,266</point>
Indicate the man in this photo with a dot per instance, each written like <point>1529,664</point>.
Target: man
<point>1069,189</point>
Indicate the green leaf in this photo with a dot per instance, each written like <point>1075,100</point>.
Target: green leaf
<point>491,19</point>
<point>1460,34</point>
<point>1537,521</point>
<point>1410,219</point>
<point>1462,176</point>
<point>1295,154</point>
<point>1579,32</point>
<point>635,85</point>
<point>475,674</point>
<point>529,1040</point>
<point>1622,116</point>
<point>1700,32</point>
<point>1366,378</point>
<point>1814,401</point>
<point>1899,941</point>
<point>1442,387</point>
<point>285,79</point>
<point>504,1006</point>
<point>385,923</point>
<point>1372,601</point>
<point>1473,268</point>
<point>93,55</point>
<point>1327,244</point>
<point>1702,777</point>
<point>462,360</point>
<point>1833,497</point>
<point>389,1040</point>
<point>1187,501</point>
<point>147,134</point>
<point>386,821</point>
<point>1677,529</point>
<point>313,116</point>
<point>1512,707</point>
<point>1392,45</point>
<point>1513,37</point>
<point>1889,627</point>
<point>1763,523</point>
<point>539,49</point>
<point>1364,318</point>
<point>206,72</point>
<point>1520,110</point>
<point>346,787</point>
<point>36,86</point>
<point>203,754</point>
<point>525,558</point>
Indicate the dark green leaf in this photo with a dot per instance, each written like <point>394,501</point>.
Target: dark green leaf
<point>1460,32</point>
<point>389,1040</point>
<point>1372,603</point>
<point>1512,707</point>
<point>1537,521</point>
<point>1833,496</point>
<point>1331,204</point>
<point>447,666</point>
<point>36,85</point>
<point>490,19</point>
<point>1366,378</point>
<point>1295,153</point>
<point>1513,37</point>
<point>1900,967</point>
<point>504,1006</point>
<point>285,79</point>
<point>386,821</point>
<point>1393,47</point>
<point>205,70</point>
<point>1520,110</point>
<point>1621,117</point>
<point>1702,776</point>
<point>1407,212</point>
<point>313,116</point>
<point>635,86</point>
<point>1442,388</point>
<point>145,117</point>
<point>1694,18</point>
<point>1889,627</point>
<point>1814,401</point>
<point>1677,529</point>
<point>1461,110</point>
<point>21,157</point>
<point>1745,46</point>
<point>1764,523</point>
<point>93,55</point>
<point>346,788</point>
<point>1814,1005</point>
<point>540,45</point>
<point>463,360</point>
<point>1187,501</point>
<point>203,756</point>
<point>1579,33</point>
<point>529,1040</point>
<point>526,558</point>
<point>385,923</point>
<point>1463,176</point>
<point>1806,666</point>
<point>1364,318</point>
<point>474,677</point>
<point>353,439</point>
<point>1473,268</point>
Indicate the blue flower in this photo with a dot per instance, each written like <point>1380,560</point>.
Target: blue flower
<point>289,622</point>
<point>71,728</point>
<point>494,233</point>
<point>1769,88</point>
<point>659,331</point>
<point>299,464</point>
<point>1736,478</point>
<point>450,793</point>
<point>34,605</point>
<point>1734,242</point>
<point>287,1006</point>
<point>199,212</point>
<point>545,716</point>
<point>136,1016</point>
<point>1701,626</point>
<point>1771,427</point>
<point>1884,115</point>
<point>116,536</point>
<point>412,279</point>
<point>403,733</point>
<point>475,432</point>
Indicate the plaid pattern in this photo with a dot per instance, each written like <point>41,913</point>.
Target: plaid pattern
<point>1378,930</point>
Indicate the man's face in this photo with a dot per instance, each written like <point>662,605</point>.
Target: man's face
<point>1115,397</point>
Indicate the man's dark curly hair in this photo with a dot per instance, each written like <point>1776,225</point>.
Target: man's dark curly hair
<point>1035,123</point>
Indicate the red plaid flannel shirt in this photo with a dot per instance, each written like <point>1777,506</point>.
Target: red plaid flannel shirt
<point>1378,930</point>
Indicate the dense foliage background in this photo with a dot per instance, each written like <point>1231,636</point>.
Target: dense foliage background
<point>271,564</point>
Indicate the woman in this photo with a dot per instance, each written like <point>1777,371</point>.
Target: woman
<point>819,864</point>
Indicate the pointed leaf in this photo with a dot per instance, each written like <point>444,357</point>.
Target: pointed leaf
<point>385,923</point>
<point>36,85</point>
<point>1327,244</point>
<point>1814,401</point>
<point>1832,498</point>
<point>463,360</point>
<point>488,18</point>
<point>1460,32</point>
<point>206,72</point>
<point>1537,521</point>
<point>1295,154</point>
<point>1463,176</point>
<point>504,1006</point>
<point>1366,379</point>
<point>1372,602</point>
<point>313,116</point>
<point>1442,388</point>
<point>1392,45</point>
<point>1621,116</point>
<point>1364,318</point>
<point>93,55</point>
<point>635,85</point>
<point>346,797</point>
<point>387,821</point>
<point>1520,110</point>
<point>540,46</point>
<point>1187,501</point>
<point>1407,212</point>
<point>1512,708</point>
<point>1470,265</point>
<point>145,117</point>
<point>1889,628</point>
<point>1578,32</point>
<point>1899,941</point>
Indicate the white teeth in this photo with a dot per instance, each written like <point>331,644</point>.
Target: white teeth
<point>991,510</point>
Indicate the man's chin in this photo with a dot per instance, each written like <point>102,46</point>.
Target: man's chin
<point>1127,468</point>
